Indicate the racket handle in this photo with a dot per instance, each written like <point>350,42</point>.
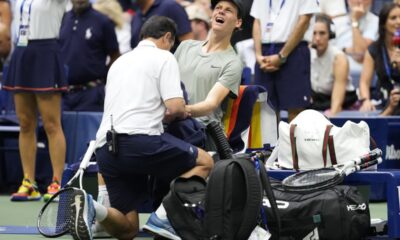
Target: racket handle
<point>372,155</point>
<point>370,163</point>
<point>88,155</point>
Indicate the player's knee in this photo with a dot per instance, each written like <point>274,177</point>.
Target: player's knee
<point>205,160</point>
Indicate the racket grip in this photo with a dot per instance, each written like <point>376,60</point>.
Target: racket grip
<point>88,154</point>
<point>370,163</point>
<point>372,155</point>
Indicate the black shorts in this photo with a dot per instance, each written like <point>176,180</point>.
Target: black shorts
<point>140,156</point>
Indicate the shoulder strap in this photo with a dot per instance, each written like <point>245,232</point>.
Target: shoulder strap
<point>213,220</point>
<point>253,199</point>
<point>222,196</point>
<point>267,187</point>
<point>295,158</point>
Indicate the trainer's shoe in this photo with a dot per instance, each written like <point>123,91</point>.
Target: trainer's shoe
<point>160,227</point>
<point>82,215</point>
<point>26,192</point>
<point>52,189</point>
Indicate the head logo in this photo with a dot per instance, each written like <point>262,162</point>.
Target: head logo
<point>281,204</point>
<point>356,207</point>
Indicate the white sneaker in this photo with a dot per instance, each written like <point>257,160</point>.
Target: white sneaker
<point>160,227</point>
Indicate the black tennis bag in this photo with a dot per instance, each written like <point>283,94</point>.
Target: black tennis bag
<point>336,213</point>
<point>227,207</point>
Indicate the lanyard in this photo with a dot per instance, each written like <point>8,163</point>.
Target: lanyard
<point>387,65</point>
<point>22,11</point>
<point>280,8</point>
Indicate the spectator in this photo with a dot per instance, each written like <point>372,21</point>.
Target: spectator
<point>206,4</point>
<point>383,58</point>
<point>36,77</point>
<point>333,8</point>
<point>168,8</point>
<point>138,108</point>
<point>354,33</point>
<point>87,38</point>
<point>283,59</point>
<point>113,10</point>
<point>199,21</point>
<point>393,103</point>
<point>331,87</point>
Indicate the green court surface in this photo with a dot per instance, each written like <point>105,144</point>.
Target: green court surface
<point>22,217</point>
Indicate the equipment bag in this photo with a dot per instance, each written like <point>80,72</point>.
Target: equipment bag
<point>336,213</point>
<point>311,141</point>
<point>227,208</point>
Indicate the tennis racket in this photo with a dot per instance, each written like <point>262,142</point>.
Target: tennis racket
<point>53,218</point>
<point>318,179</point>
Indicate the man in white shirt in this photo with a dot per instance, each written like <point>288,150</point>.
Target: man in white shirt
<point>283,59</point>
<point>355,31</point>
<point>143,91</point>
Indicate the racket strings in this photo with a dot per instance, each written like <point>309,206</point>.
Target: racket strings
<point>55,218</point>
<point>311,178</point>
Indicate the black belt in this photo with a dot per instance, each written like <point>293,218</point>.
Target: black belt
<point>85,86</point>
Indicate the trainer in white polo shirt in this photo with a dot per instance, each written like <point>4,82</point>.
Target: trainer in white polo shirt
<point>147,111</point>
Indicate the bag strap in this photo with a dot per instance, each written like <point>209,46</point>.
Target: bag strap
<point>332,153</point>
<point>253,198</point>
<point>325,143</point>
<point>295,158</point>
<point>267,187</point>
<point>213,219</point>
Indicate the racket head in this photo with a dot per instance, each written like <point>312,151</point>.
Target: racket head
<point>53,219</point>
<point>313,180</point>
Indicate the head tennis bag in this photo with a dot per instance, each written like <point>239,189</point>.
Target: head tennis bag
<point>339,212</point>
<point>227,208</point>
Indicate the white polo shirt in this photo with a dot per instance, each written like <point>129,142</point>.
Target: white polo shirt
<point>138,83</point>
<point>43,17</point>
<point>283,14</point>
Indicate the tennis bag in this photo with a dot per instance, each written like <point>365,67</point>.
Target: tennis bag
<point>311,141</point>
<point>227,207</point>
<point>336,213</point>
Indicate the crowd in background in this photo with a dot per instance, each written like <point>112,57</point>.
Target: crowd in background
<point>354,24</point>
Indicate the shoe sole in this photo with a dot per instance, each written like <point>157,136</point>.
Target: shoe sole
<point>24,199</point>
<point>159,232</point>
<point>78,228</point>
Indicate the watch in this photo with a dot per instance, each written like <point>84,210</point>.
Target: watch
<point>282,59</point>
<point>354,24</point>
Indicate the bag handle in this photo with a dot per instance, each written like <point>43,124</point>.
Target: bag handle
<point>295,158</point>
<point>325,143</point>
<point>332,153</point>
